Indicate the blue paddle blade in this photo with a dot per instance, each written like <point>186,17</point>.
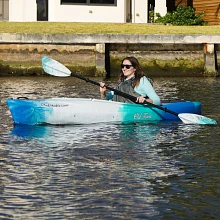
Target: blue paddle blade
<point>188,118</point>
<point>54,68</point>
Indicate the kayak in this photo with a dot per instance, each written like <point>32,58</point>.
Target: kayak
<point>62,111</point>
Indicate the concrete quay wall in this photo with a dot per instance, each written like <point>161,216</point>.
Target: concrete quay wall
<point>101,54</point>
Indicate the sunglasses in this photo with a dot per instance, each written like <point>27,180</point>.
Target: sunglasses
<point>126,65</point>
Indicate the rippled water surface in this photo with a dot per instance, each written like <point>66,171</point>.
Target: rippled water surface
<point>166,170</point>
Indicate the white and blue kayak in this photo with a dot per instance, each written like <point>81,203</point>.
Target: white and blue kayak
<point>61,111</point>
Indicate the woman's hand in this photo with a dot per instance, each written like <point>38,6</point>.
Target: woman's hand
<point>141,99</point>
<point>102,89</point>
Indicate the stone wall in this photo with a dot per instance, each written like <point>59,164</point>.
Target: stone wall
<point>160,55</point>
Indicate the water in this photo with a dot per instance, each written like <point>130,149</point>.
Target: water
<point>110,171</point>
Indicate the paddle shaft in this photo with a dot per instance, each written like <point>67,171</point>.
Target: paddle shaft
<point>125,95</point>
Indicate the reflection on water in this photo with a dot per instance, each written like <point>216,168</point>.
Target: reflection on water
<point>89,168</point>
<point>109,171</point>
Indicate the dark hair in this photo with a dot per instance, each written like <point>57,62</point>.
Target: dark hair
<point>138,73</point>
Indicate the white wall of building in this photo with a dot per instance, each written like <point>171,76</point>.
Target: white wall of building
<point>22,10</point>
<point>139,11</point>
<point>26,10</point>
<point>160,7</point>
<point>87,13</point>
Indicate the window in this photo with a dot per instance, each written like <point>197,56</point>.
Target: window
<point>42,10</point>
<point>74,1</point>
<point>102,2</point>
<point>89,2</point>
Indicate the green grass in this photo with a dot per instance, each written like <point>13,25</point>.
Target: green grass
<point>102,28</point>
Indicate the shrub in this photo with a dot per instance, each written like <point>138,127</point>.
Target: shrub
<point>151,16</point>
<point>183,16</point>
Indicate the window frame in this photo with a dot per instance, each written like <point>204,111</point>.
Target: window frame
<point>88,3</point>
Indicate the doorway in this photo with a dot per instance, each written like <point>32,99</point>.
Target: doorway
<point>4,10</point>
<point>151,5</point>
<point>42,10</point>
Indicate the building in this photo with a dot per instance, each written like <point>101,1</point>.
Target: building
<point>113,11</point>
<point>211,9</point>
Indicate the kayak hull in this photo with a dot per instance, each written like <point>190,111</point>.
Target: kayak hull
<point>60,111</point>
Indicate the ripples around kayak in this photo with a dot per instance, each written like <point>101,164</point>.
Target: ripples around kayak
<point>111,171</point>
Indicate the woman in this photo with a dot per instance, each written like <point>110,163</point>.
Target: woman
<point>132,81</point>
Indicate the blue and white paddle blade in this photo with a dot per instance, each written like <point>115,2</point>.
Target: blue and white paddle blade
<point>188,118</point>
<point>54,68</point>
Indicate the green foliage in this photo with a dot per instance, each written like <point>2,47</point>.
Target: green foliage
<point>151,16</point>
<point>183,16</point>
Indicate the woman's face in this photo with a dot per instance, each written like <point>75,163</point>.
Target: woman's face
<point>127,69</point>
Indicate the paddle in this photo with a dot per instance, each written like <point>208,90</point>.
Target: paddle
<point>55,68</point>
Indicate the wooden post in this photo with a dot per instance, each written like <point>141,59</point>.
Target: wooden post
<point>210,60</point>
<point>100,60</point>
